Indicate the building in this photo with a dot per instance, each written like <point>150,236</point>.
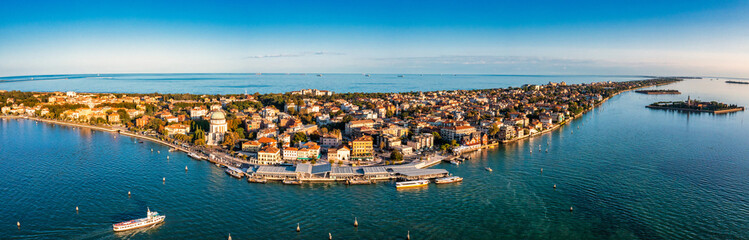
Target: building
<point>113,118</point>
<point>198,112</point>
<point>269,155</point>
<point>350,126</point>
<point>330,140</point>
<point>339,154</point>
<point>251,146</point>
<point>421,141</point>
<point>177,129</point>
<point>456,132</point>
<point>290,153</point>
<point>361,148</point>
<point>217,128</point>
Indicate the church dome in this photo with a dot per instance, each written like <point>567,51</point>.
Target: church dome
<point>218,115</point>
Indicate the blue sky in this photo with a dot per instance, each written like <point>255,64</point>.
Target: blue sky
<point>706,38</point>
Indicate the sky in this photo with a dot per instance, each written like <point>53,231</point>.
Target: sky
<point>684,38</point>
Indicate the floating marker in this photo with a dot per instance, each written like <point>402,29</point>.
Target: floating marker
<point>76,208</point>
<point>185,168</point>
<point>18,224</point>
<point>555,186</point>
<point>571,209</point>
<point>163,179</point>
<point>297,228</point>
<point>356,223</point>
<point>128,193</point>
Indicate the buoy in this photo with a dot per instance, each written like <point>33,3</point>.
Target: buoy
<point>185,168</point>
<point>128,193</point>
<point>356,223</point>
<point>555,186</point>
<point>229,236</point>
<point>571,209</point>
<point>76,208</point>
<point>18,224</point>
<point>408,235</point>
<point>163,179</point>
<point>297,228</point>
<point>330,236</point>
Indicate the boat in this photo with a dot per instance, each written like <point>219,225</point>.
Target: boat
<point>151,218</point>
<point>172,149</point>
<point>358,181</point>
<point>400,75</point>
<point>256,180</point>
<point>488,169</point>
<point>319,75</point>
<point>454,162</point>
<point>194,155</point>
<point>410,184</point>
<point>292,182</point>
<point>234,173</point>
<point>452,179</point>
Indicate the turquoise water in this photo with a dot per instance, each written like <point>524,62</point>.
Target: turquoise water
<point>628,171</point>
<point>278,83</point>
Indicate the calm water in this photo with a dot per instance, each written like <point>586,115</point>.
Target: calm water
<point>629,172</point>
<point>277,83</point>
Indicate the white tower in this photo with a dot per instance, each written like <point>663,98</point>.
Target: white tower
<point>217,128</point>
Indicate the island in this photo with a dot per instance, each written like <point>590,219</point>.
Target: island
<point>697,106</point>
<point>737,82</point>
<point>315,135</point>
<point>659,91</point>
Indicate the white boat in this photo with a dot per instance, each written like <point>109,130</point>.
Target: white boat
<point>454,162</point>
<point>195,156</point>
<point>172,149</point>
<point>151,218</point>
<point>488,169</point>
<point>410,184</point>
<point>451,179</point>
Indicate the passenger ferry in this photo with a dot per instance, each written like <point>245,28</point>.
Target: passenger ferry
<point>234,172</point>
<point>151,219</point>
<point>195,156</point>
<point>452,179</point>
<point>410,184</point>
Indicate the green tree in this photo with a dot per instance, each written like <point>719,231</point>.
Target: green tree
<point>396,155</point>
<point>230,139</point>
<point>298,137</point>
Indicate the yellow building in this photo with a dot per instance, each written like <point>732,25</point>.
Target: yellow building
<point>361,148</point>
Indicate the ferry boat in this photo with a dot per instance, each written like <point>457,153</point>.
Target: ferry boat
<point>233,173</point>
<point>151,218</point>
<point>256,180</point>
<point>410,184</point>
<point>452,179</point>
<point>292,182</point>
<point>195,156</point>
